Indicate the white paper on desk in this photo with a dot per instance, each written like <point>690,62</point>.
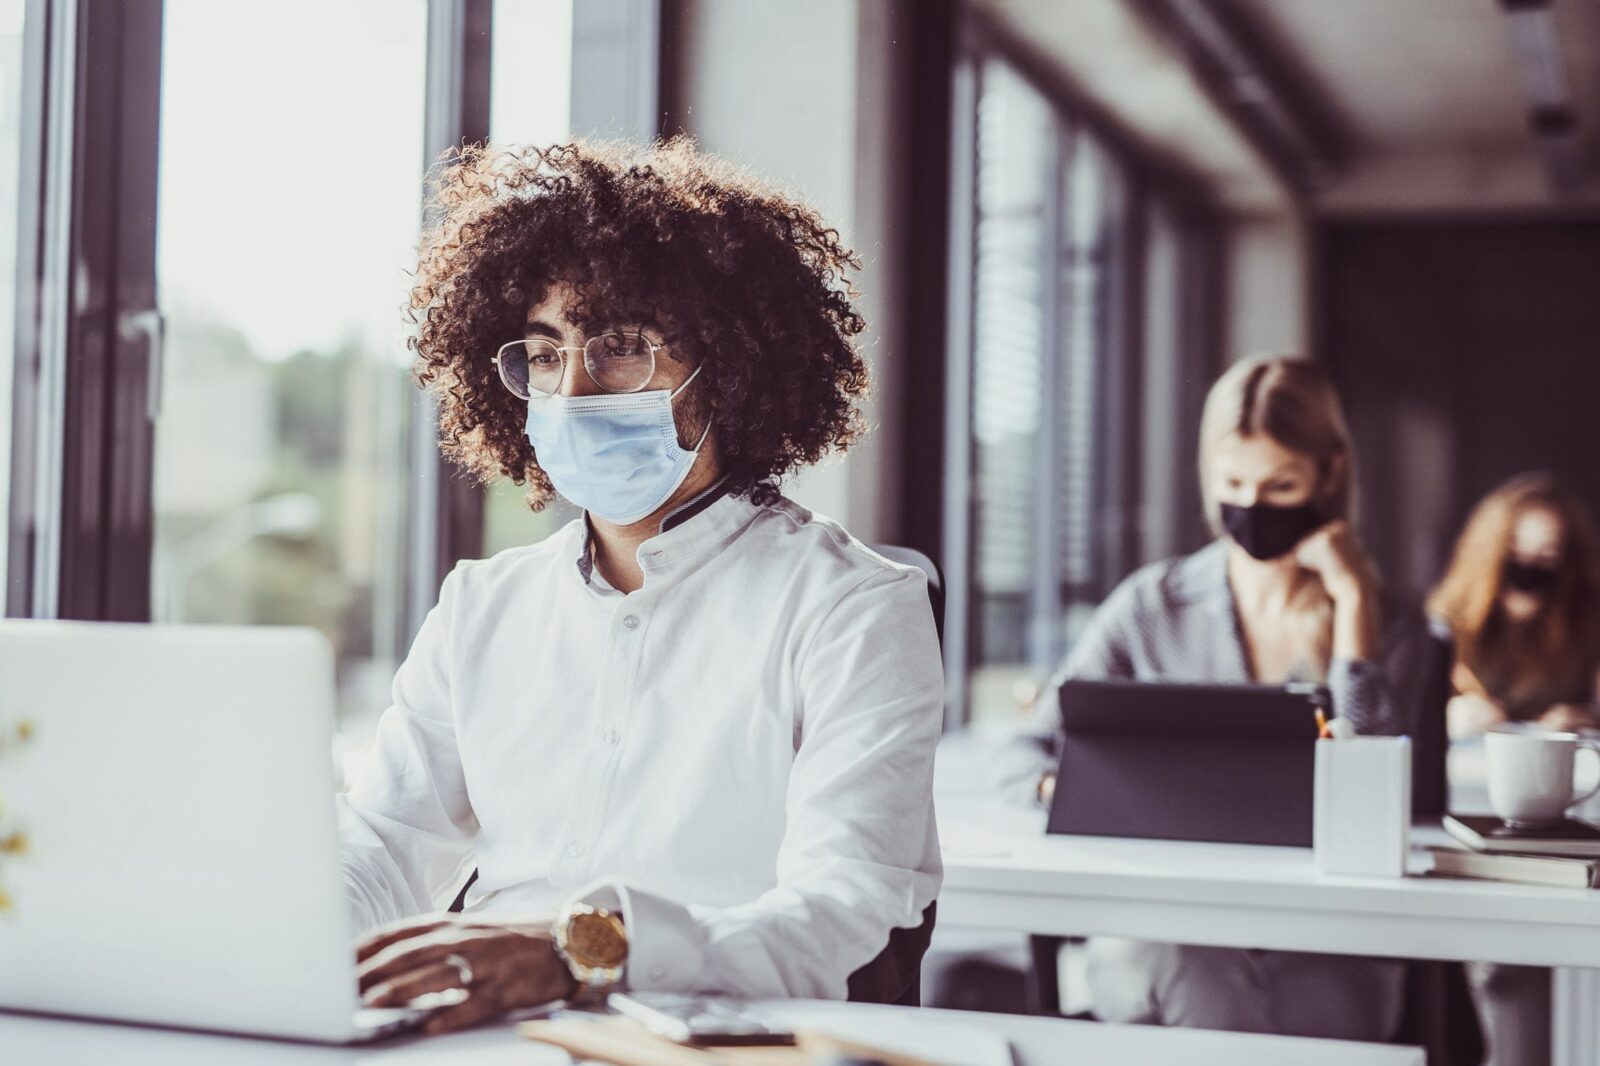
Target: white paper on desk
<point>917,1034</point>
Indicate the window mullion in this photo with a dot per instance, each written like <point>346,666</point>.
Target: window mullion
<point>446,520</point>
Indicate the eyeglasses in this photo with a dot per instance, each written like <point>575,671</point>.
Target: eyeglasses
<point>623,361</point>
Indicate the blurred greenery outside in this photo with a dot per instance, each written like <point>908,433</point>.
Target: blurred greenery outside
<point>335,426</point>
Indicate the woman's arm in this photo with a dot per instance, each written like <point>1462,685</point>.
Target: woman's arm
<point>1378,667</point>
<point>1351,581</point>
<point>1383,695</point>
<point>406,826</point>
<point>1025,767</point>
<point>1567,717</point>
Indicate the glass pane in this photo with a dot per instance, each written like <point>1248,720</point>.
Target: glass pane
<point>530,103</point>
<point>10,150</point>
<point>288,217</point>
<point>530,72</point>
<point>1083,335</point>
<point>1016,143</point>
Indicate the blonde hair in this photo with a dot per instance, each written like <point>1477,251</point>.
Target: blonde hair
<point>1558,656</point>
<point>1291,401</point>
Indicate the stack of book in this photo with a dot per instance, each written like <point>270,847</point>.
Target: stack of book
<point>1564,854</point>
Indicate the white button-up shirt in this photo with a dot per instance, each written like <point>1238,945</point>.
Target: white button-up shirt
<point>738,755</point>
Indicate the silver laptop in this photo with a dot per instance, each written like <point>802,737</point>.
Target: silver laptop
<point>182,864</point>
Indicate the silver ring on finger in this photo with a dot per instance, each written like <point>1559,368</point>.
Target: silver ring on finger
<point>462,967</point>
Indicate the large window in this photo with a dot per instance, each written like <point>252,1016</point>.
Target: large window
<point>530,103</point>
<point>289,212</point>
<point>1072,349</point>
<point>219,210</point>
<point>289,207</point>
<point>1017,145</point>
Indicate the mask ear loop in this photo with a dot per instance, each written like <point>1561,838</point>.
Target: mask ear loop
<point>674,394</point>
<point>707,432</point>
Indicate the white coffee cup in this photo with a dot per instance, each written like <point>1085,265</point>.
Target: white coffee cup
<point>1530,775</point>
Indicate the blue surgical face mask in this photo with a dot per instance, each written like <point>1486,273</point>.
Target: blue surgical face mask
<point>616,456</point>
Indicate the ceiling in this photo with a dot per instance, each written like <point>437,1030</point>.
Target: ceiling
<point>1426,94</point>
<point>1430,96</point>
<point>1427,76</point>
<point>1102,50</point>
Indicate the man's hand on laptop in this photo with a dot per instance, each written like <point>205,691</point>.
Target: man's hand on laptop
<point>502,966</point>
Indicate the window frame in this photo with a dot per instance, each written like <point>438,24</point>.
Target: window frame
<point>1120,487</point>
<point>88,332</point>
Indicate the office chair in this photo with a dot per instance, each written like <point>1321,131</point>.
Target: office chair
<point>894,976</point>
<point>1439,1014</point>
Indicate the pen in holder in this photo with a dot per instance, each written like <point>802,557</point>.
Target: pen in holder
<point>1361,812</point>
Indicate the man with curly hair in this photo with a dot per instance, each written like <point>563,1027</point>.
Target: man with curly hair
<point>687,740</point>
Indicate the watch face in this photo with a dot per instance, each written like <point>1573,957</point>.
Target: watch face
<point>597,940</point>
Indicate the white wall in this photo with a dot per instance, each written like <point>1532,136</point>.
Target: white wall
<point>1267,296</point>
<point>804,94</point>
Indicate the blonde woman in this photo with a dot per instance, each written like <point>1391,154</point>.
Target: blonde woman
<point>1285,592</point>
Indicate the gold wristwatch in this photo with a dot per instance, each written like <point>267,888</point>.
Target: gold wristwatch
<point>593,942</point>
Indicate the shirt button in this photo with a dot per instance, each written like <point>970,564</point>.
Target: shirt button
<point>575,849</point>
<point>612,736</point>
<point>631,621</point>
<point>657,972</point>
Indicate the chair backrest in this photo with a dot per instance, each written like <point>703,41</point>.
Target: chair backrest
<point>912,557</point>
<point>894,976</point>
<point>1430,785</point>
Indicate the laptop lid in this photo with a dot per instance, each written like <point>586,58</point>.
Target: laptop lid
<point>1225,763</point>
<point>177,795</point>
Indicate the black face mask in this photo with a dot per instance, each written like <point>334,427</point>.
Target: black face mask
<point>1268,532</point>
<point>1534,580</point>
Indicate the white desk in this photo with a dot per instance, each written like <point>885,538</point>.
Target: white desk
<point>36,1041</point>
<point>1003,873</point>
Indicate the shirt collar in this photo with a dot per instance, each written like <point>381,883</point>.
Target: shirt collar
<point>702,500</point>
<point>696,524</point>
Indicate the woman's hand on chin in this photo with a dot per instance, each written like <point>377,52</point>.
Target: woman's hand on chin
<point>501,965</point>
<point>1335,556</point>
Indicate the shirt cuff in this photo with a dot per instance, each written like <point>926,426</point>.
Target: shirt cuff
<point>1354,685</point>
<point>666,945</point>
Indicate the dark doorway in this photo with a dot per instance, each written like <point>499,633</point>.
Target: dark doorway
<point>1466,352</point>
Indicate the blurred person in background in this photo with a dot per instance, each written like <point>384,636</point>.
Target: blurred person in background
<point>687,740</point>
<point>1522,601</point>
<point>1284,593</point>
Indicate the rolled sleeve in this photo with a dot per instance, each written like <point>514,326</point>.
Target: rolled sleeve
<point>406,826</point>
<point>1383,696</point>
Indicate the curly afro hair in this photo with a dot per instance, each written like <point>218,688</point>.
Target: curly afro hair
<point>745,282</point>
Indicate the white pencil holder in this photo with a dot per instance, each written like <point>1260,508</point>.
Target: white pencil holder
<point>1361,813</point>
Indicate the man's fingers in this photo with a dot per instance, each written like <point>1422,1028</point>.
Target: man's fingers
<point>394,934</point>
<point>435,977</point>
<point>476,1009</point>
<point>414,954</point>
